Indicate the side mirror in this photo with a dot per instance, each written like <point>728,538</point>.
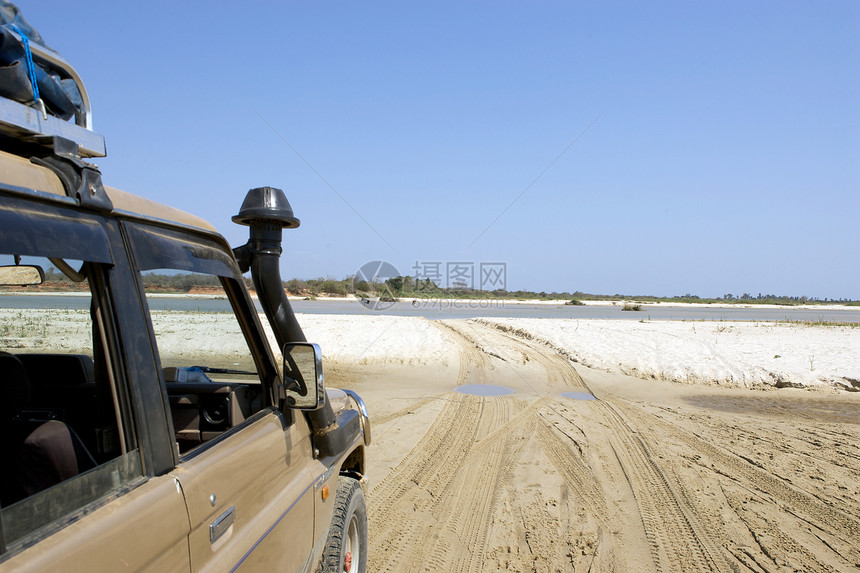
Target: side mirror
<point>303,376</point>
<point>21,275</point>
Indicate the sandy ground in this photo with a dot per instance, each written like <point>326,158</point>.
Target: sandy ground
<point>650,475</point>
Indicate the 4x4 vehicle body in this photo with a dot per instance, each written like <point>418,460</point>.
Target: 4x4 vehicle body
<point>118,451</point>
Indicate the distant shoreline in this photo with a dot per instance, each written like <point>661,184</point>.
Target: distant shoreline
<point>586,302</point>
<point>486,301</point>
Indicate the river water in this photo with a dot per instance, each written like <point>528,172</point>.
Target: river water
<point>442,309</point>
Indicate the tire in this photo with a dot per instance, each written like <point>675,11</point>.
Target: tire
<point>346,547</point>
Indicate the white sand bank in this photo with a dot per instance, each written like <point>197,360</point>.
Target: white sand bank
<point>365,339</point>
<point>743,354</point>
<point>345,338</point>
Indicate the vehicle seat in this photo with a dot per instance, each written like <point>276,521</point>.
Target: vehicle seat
<point>65,384</point>
<point>59,371</point>
<point>14,386</point>
<point>37,451</point>
<point>46,457</point>
<point>61,380</point>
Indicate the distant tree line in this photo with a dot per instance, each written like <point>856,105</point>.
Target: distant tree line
<point>178,282</point>
<point>410,287</point>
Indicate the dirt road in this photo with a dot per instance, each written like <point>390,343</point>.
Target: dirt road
<point>648,476</point>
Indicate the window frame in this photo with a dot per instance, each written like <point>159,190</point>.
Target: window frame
<point>67,232</point>
<point>221,263</point>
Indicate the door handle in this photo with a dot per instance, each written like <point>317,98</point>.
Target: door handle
<point>220,526</point>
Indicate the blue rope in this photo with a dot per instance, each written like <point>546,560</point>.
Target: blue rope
<point>30,67</point>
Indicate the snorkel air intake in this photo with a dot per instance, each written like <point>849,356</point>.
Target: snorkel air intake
<point>267,212</point>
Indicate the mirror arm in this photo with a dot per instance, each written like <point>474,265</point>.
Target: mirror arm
<point>74,276</point>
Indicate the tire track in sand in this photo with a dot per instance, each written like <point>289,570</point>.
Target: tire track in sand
<point>677,539</point>
<point>574,470</point>
<point>472,357</point>
<point>835,528</point>
<point>435,505</point>
<point>483,338</point>
<point>680,529</point>
<point>411,489</point>
<point>379,420</point>
<point>548,540</point>
<point>433,509</point>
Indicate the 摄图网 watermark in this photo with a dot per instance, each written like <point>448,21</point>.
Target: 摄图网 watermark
<point>379,284</point>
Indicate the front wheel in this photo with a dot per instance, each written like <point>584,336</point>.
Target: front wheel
<point>346,548</point>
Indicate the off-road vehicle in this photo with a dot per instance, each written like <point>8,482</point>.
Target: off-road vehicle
<point>139,430</point>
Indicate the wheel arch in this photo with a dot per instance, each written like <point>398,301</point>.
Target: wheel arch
<point>354,465</point>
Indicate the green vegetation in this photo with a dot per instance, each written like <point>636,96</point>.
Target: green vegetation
<point>745,298</point>
<point>178,282</point>
<point>168,283</point>
<point>826,323</point>
<point>410,288</point>
<point>25,324</point>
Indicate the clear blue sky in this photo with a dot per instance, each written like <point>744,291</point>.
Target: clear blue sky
<point>725,155</point>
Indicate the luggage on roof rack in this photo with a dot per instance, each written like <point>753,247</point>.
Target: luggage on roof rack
<point>40,92</point>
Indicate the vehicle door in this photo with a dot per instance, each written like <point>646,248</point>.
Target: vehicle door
<point>243,463</point>
<point>79,489</point>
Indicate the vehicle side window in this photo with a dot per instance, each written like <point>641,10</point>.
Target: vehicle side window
<point>67,434</point>
<point>213,380</point>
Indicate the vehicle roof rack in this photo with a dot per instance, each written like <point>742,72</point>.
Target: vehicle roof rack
<point>21,120</point>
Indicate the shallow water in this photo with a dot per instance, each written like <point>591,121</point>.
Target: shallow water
<point>436,310</point>
<point>578,395</point>
<point>484,390</point>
